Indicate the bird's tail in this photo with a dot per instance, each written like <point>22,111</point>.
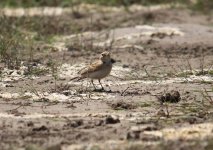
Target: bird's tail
<point>77,78</point>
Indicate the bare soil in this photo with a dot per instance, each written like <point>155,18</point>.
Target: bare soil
<point>130,113</point>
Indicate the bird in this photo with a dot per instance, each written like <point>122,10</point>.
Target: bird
<point>98,69</point>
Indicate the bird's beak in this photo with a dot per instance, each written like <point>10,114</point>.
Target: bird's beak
<point>113,60</point>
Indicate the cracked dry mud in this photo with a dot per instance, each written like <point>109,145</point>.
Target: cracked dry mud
<point>41,112</point>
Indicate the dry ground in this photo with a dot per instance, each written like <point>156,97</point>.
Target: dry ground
<point>157,51</point>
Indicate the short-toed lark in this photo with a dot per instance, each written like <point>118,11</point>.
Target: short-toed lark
<point>98,69</point>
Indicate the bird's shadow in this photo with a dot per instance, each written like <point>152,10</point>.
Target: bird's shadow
<point>104,91</point>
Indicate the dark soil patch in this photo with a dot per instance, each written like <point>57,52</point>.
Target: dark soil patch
<point>119,105</point>
<point>172,97</point>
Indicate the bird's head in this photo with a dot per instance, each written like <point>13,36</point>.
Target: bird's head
<point>105,56</point>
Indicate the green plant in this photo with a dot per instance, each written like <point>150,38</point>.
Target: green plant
<point>54,71</point>
<point>66,3</point>
<point>203,6</point>
<point>10,45</point>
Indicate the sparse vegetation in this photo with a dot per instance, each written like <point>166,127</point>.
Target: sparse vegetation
<point>197,5</point>
<point>10,46</point>
<point>66,3</point>
<point>188,73</point>
<point>203,5</point>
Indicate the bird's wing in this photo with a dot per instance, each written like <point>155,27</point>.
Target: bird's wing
<point>92,67</point>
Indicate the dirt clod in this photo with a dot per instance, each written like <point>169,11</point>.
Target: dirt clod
<point>75,123</point>
<point>30,124</point>
<point>41,128</point>
<point>112,120</point>
<point>118,105</point>
<point>171,97</point>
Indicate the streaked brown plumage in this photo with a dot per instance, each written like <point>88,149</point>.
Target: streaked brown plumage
<point>98,69</point>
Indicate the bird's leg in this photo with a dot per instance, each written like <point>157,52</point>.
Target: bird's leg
<point>100,84</point>
<point>93,84</point>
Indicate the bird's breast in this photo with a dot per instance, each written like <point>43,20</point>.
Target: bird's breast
<point>101,73</point>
